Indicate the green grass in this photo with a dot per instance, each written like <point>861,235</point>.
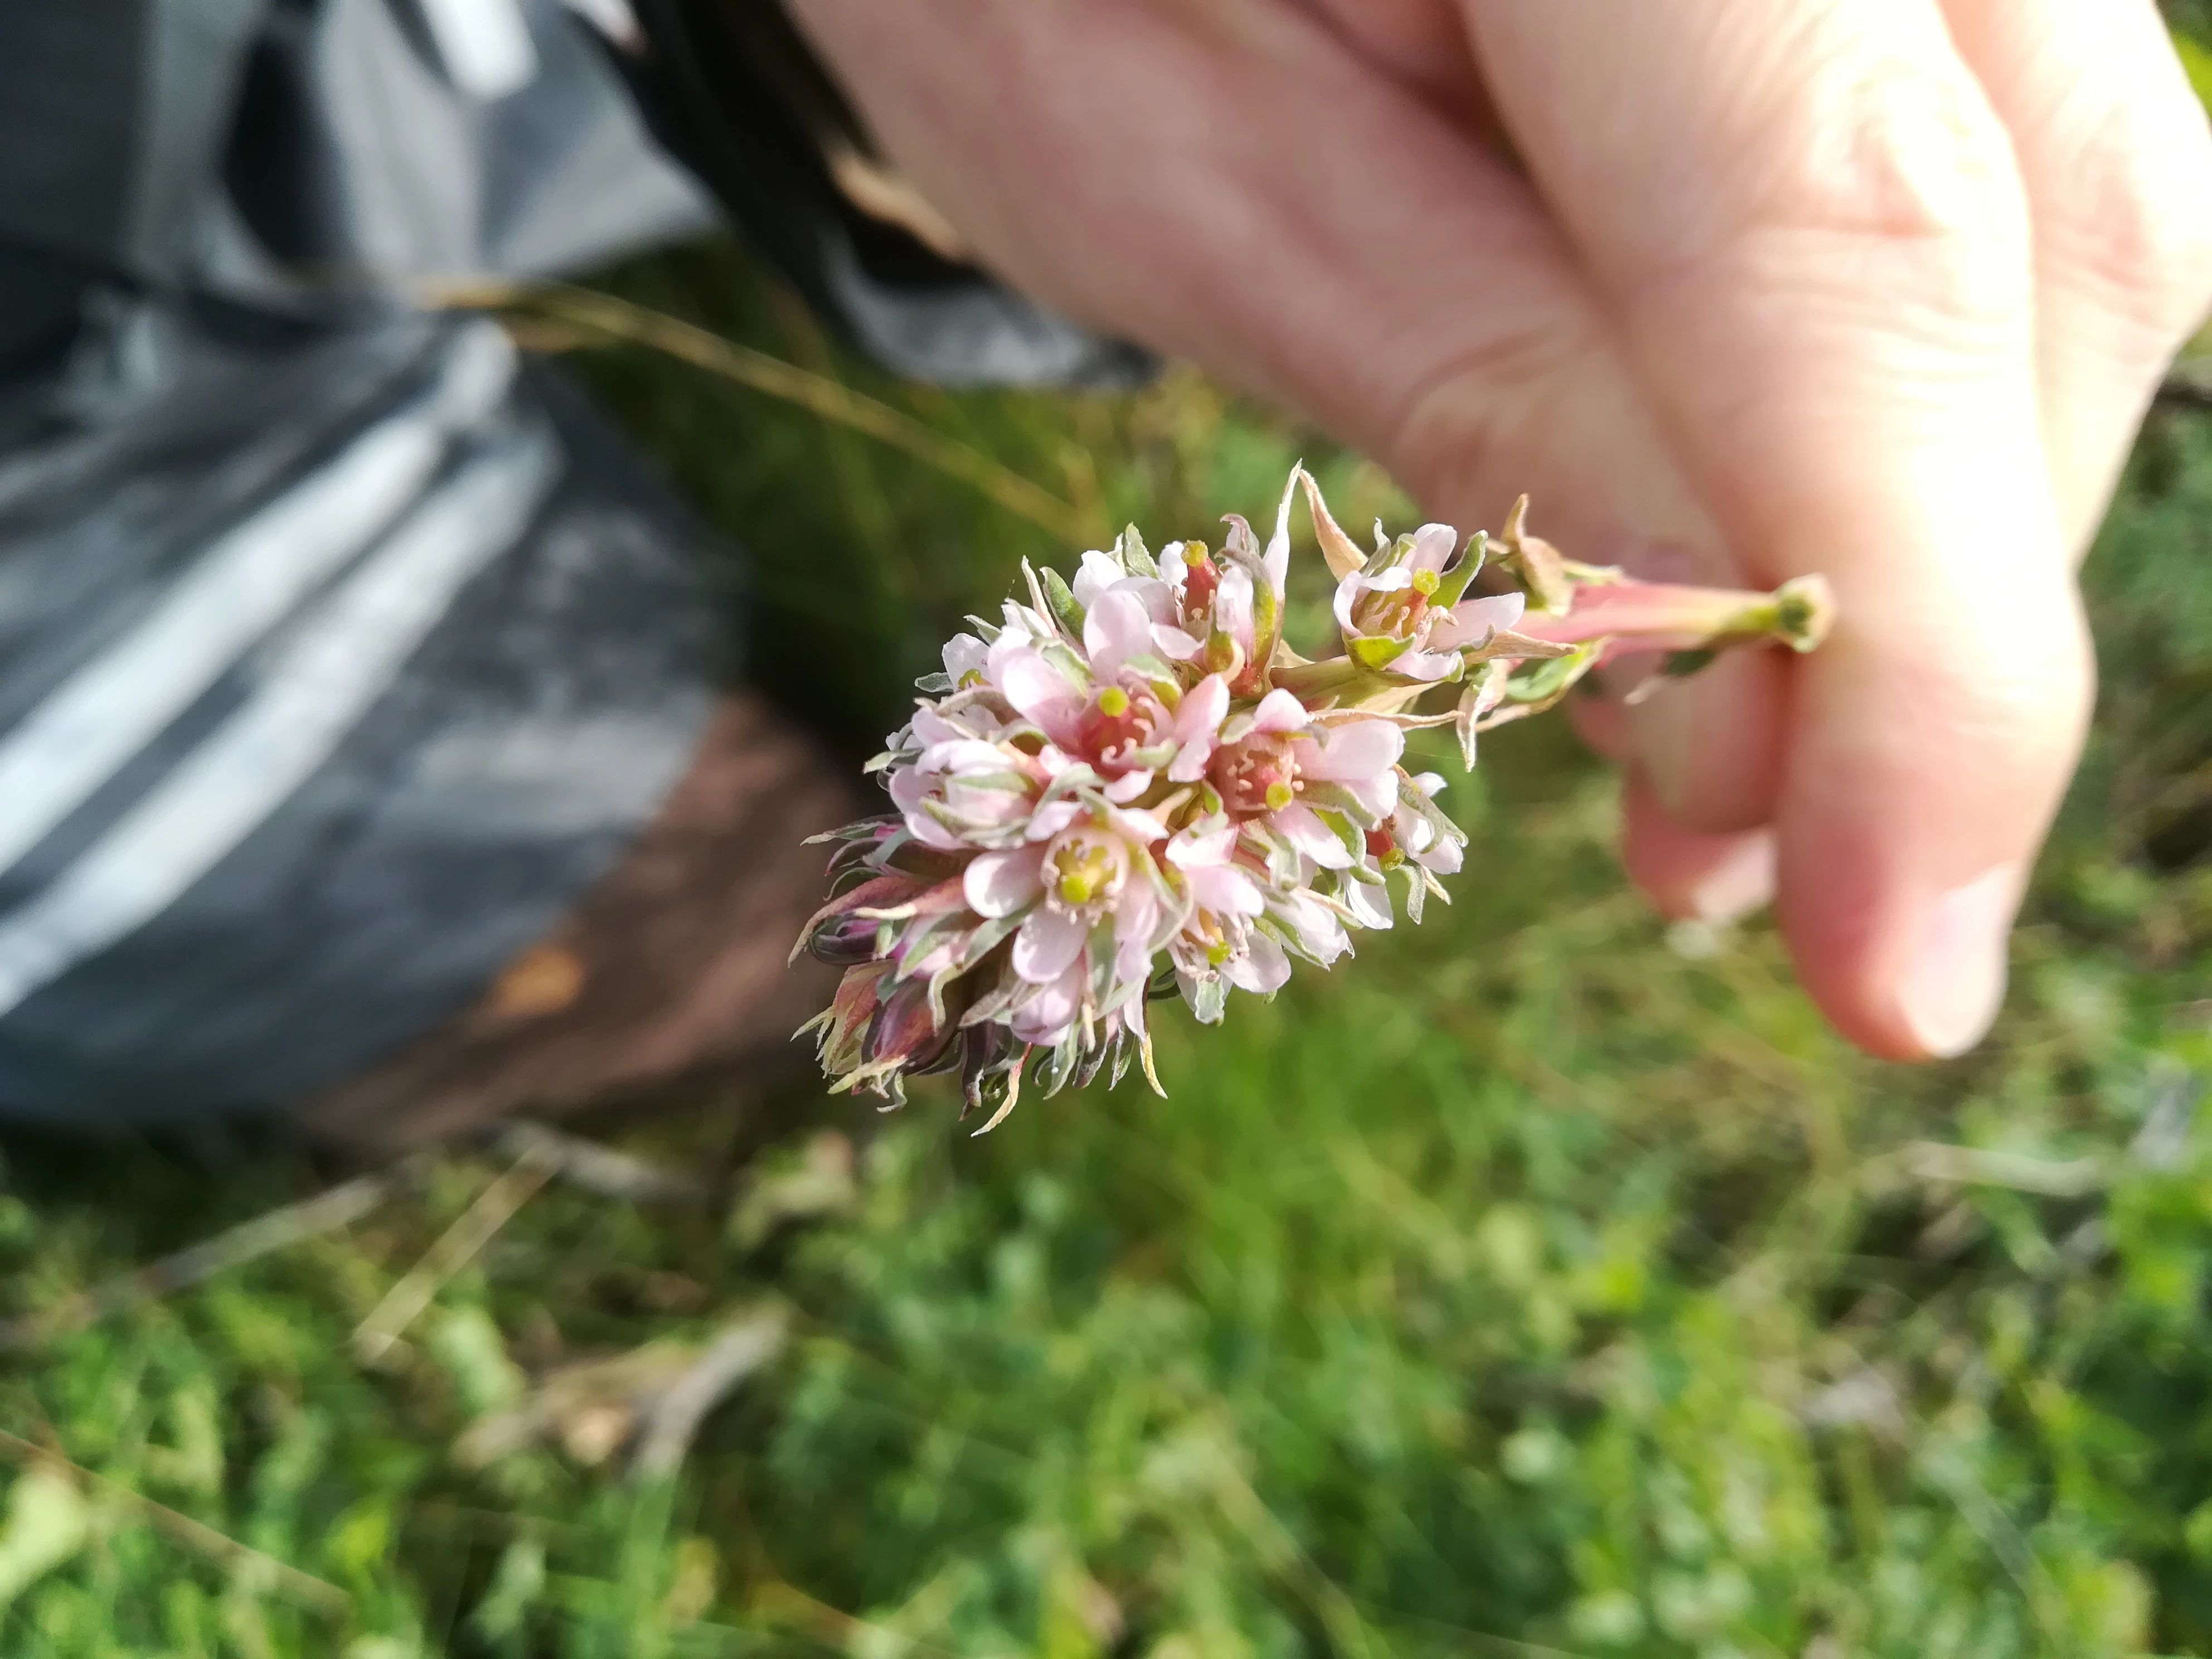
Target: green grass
<point>1538,1283</point>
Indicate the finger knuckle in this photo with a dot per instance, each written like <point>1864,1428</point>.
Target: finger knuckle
<point>2137,225</point>
<point>1893,180</point>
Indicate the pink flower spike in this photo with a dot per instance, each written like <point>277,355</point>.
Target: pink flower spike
<point>1066,827</point>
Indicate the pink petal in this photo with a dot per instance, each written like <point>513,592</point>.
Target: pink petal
<point>1127,787</point>
<point>1472,620</point>
<point>1318,930</point>
<point>929,727</point>
<point>1232,606</point>
<point>1204,707</point>
<point>1155,595</point>
<point>1425,664</point>
<point>1352,753</point>
<point>965,755</point>
<point>1277,559</point>
<point>1116,629</point>
<point>1312,837</point>
<point>1190,761</point>
<point>1261,969</point>
<point>965,654</point>
<point>1171,642</point>
<point>1371,903</point>
<point>1137,911</point>
<point>1377,796</point>
<point>1041,693</point>
<point>1098,573</point>
<point>1047,944</point>
<point>909,790</point>
<point>1196,721</point>
<point>1279,711</point>
<point>1347,590</point>
<point>1140,827</point>
<point>1048,821</point>
<point>1190,850</point>
<point>1433,547</point>
<point>1000,884</point>
<point>1047,1017</point>
<point>1225,891</point>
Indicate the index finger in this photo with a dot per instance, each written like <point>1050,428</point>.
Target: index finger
<point>1808,220</point>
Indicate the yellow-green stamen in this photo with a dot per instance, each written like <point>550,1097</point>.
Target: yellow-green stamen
<point>1112,702</point>
<point>1081,872</point>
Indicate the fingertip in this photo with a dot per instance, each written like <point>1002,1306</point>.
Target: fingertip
<point>1919,981</point>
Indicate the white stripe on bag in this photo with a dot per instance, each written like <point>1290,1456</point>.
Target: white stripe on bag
<point>80,733</point>
<point>347,653</point>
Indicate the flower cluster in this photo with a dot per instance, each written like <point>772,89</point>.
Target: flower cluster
<point>1131,786</point>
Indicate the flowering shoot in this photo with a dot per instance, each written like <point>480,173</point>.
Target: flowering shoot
<point>1131,786</point>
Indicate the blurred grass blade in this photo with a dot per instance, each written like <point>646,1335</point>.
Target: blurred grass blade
<point>254,1569</point>
<point>46,1524</point>
<point>326,1212</point>
<point>610,319</point>
<point>455,1248</point>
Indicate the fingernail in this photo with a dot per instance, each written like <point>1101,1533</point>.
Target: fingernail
<point>1663,726</point>
<point>1956,980</point>
<point>1740,884</point>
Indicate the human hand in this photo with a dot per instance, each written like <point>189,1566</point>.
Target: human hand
<point>1877,289</point>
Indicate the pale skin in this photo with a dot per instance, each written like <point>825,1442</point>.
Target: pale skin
<point>1735,289</point>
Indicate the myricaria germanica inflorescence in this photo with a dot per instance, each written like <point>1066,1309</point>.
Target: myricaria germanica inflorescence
<point>1132,786</point>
